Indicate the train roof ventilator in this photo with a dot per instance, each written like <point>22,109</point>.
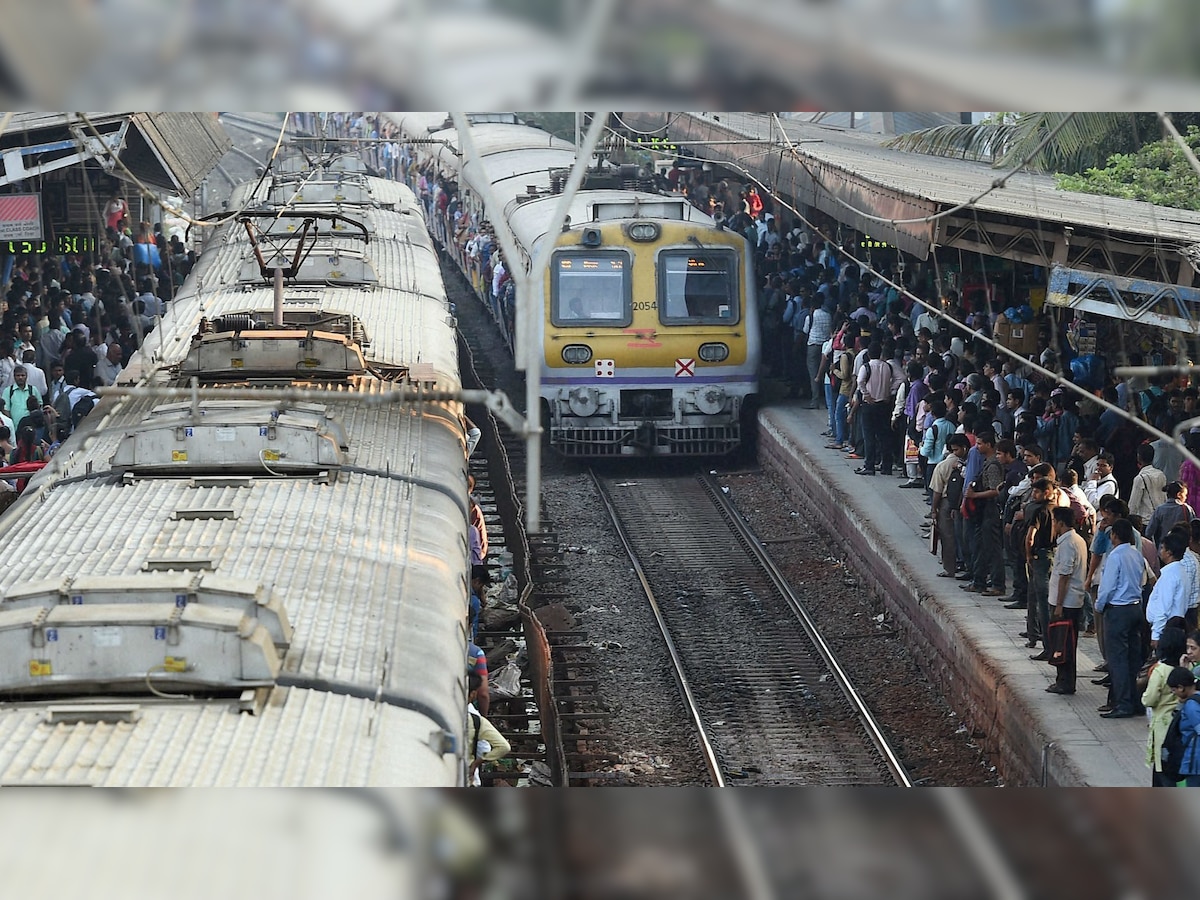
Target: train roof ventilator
<point>96,647</point>
<point>229,435</point>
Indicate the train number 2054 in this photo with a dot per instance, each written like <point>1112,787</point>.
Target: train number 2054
<point>644,304</point>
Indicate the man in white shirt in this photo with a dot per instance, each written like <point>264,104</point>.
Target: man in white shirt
<point>1149,485</point>
<point>1067,574</point>
<point>110,364</point>
<point>1088,451</point>
<point>37,378</point>
<point>875,381</point>
<point>1104,483</point>
<point>1171,594</point>
<point>498,273</point>
<point>150,299</point>
<point>927,319</point>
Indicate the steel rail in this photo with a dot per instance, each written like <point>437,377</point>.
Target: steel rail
<point>685,688</point>
<point>874,732</point>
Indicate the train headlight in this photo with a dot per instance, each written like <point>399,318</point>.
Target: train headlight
<point>576,354</point>
<point>714,352</point>
<point>644,231</point>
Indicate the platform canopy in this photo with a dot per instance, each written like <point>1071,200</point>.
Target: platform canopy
<point>172,151</point>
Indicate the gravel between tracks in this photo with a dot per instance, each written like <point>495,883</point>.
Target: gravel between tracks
<point>653,739</point>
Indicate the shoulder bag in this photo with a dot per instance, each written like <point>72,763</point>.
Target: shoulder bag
<point>1060,637</point>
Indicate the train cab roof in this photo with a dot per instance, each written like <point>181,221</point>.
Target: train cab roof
<point>531,220</point>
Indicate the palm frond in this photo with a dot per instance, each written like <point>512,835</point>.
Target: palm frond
<point>1084,140</point>
<point>975,142</point>
<point>1080,143</point>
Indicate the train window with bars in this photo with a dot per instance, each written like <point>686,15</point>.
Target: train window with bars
<point>698,287</point>
<point>590,289</point>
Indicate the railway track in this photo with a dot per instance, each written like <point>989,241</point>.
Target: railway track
<point>770,702</point>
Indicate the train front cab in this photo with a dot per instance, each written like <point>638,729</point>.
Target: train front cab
<point>651,340</point>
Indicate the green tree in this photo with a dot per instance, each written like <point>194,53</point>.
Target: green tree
<point>1158,173</point>
<point>1086,141</point>
<point>559,124</point>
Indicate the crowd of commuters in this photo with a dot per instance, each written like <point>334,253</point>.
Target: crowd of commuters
<point>70,324</point>
<point>1049,503</point>
<point>1053,505</point>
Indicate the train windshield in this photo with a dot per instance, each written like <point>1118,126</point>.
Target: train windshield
<point>591,289</point>
<point>698,287</point>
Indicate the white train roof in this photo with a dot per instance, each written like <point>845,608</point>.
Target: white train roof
<point>356,580</point>
<point>367,570</point>
<point>405,312</point>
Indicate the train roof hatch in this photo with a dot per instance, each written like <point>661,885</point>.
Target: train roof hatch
<point>273,352</point>
<point>125,646</point>
<point>173,588</point>
<point>224,436</point>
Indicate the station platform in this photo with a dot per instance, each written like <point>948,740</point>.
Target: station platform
<point>969,644</point>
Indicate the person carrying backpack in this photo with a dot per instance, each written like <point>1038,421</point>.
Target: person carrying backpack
<point>798,316</point>
<point>1180,748</point>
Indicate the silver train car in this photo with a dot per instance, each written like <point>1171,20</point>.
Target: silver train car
<point>648,323</point>
<point>260,587</point>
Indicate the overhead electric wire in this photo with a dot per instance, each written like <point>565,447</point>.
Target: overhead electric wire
<point>660,130</point>
<point>150,195</point>
<point>974,335</point>
<point>995,185</point>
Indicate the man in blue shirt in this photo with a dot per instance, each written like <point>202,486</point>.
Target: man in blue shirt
<point>1119,601</point>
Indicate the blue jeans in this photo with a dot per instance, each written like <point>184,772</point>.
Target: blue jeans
<point>841,433</point>
<point>829,404</point>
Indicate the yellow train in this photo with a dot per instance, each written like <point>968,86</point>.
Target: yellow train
<point>649,324</point>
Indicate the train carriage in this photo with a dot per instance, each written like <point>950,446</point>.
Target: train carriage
<point>265,587</point>
<point>648,322</point>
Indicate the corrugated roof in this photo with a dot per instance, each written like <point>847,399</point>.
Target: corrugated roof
<point>347,590</point>
<point>298,738</point>
<point>369,567</point>
<point>169,150</point>
<point>186,145</point>
<point>900,184</point>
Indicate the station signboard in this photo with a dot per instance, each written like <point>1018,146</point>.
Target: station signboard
<point>21,217</point>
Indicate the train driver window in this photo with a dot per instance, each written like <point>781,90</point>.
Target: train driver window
<point>590,289</point>
<point>698,287</point>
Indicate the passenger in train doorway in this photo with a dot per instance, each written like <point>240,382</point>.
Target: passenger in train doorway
<point>478,527</point>
<point>477,665</point>
<point>473,435</point>
<point>480,579</point>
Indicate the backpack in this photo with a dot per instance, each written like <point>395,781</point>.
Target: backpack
<point>954,488</point>
<point>1173,745</point>
<point>62,406</point>
<point>1083,518</point>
